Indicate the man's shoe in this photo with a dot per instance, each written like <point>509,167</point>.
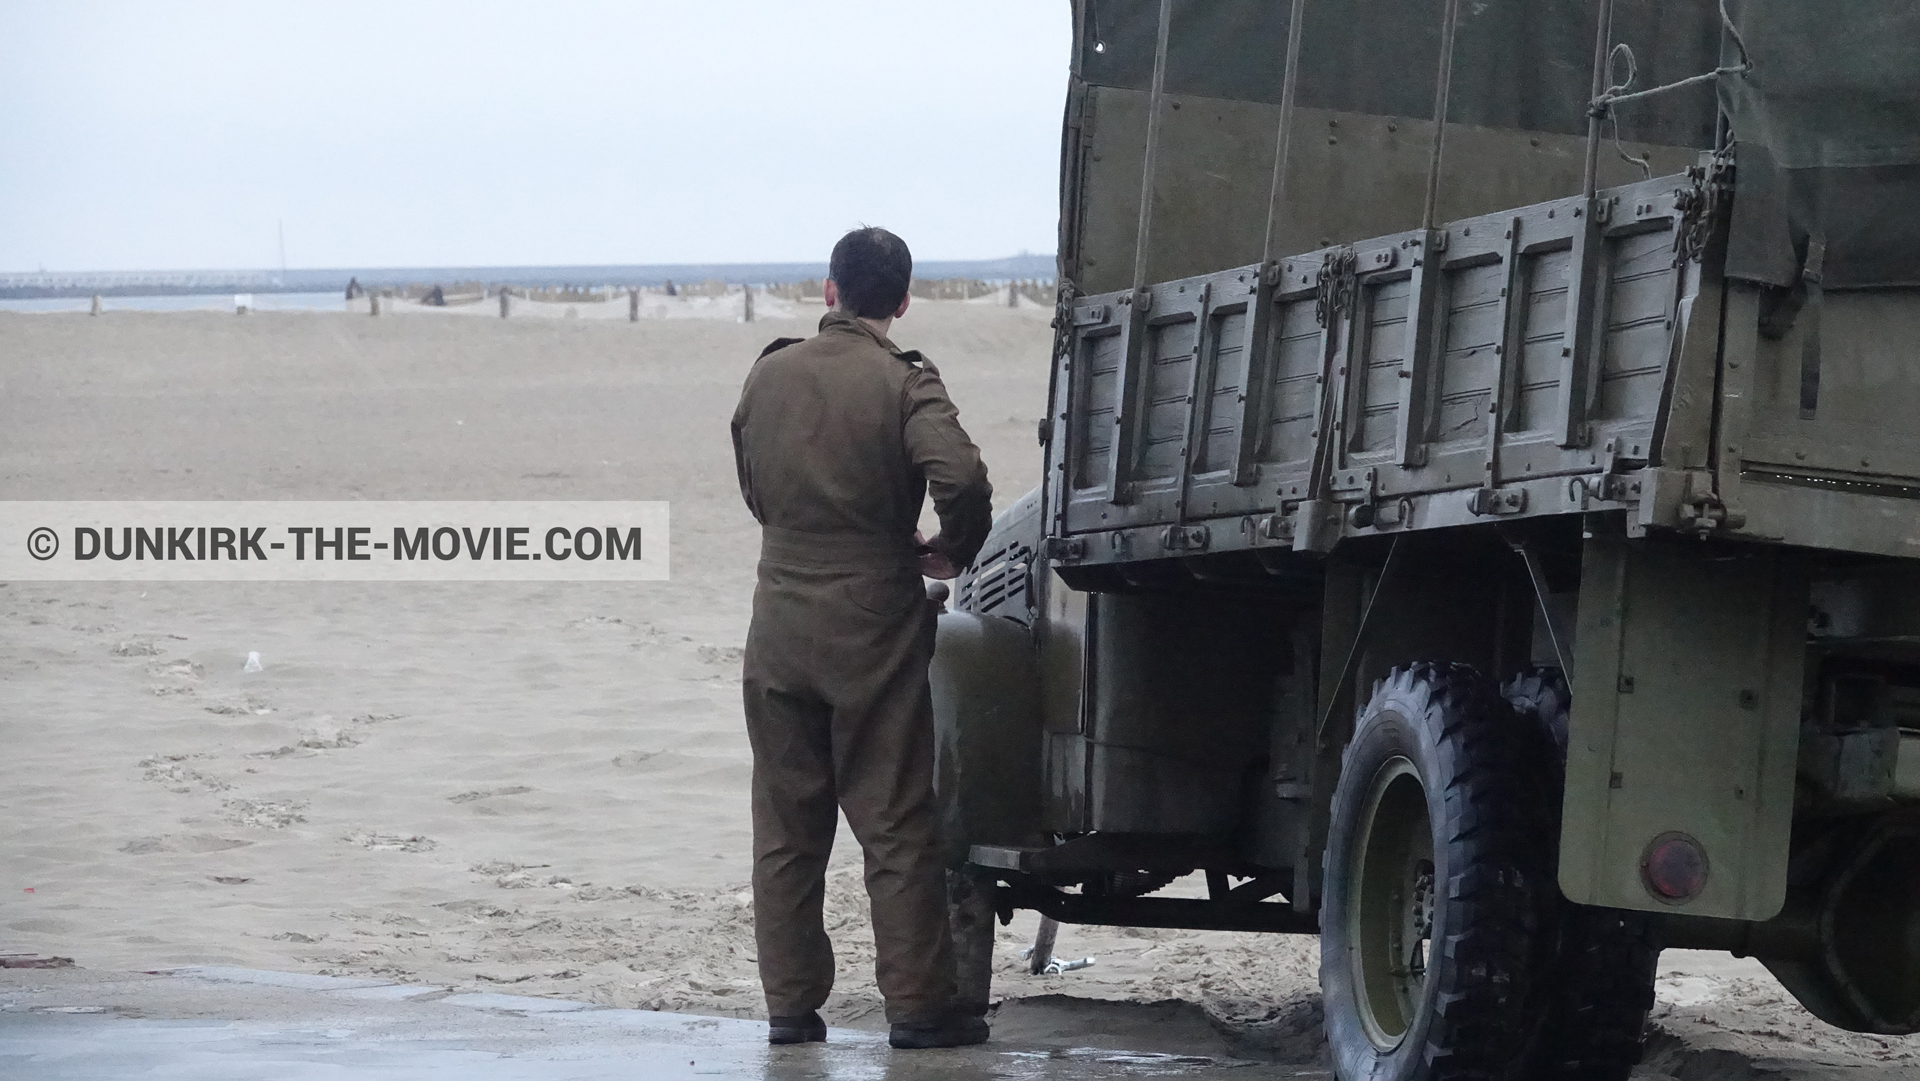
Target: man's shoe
<point>807,1028</point>
<point>959,1030</point>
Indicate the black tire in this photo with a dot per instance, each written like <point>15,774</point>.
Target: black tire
<point>970,917</point>
<point>1436,750</point>
<point>1600,991</point>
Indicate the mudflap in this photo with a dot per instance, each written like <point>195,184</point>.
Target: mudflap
<point>986,716</point>
<point>1684,732</point>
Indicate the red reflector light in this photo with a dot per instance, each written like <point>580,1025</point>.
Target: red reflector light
<point>1674,867</point>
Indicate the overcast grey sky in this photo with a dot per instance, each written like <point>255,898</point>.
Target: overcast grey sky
<point>175,135</point>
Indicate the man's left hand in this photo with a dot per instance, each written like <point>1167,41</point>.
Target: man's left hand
<point>933,559</point>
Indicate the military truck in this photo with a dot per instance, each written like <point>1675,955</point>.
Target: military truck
<point>1480,515</point>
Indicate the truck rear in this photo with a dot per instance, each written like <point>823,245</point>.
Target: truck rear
<point>1479,516</point>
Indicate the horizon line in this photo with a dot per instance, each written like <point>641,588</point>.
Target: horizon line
<point>50,283</point>
<point>383,268</point>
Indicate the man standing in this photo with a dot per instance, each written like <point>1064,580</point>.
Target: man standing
<point>838,439</point>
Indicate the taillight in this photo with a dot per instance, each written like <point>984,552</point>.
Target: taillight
<point>1674,867</point>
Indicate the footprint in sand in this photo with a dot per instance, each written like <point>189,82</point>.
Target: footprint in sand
<point>728,655</point>
<point>391,842</point>
<point>198,843</point>
<point>324,736</point>
<point>266,814</point>
<point>503,867</point>
<point>476,911</point>
<point>138,647</point>
<point>171,770</point>
<point>180,669</point>
<point>243,707</point>
<point>183,674</point>
<point>517,876</point>
<point>648,635</point>
<point>489,793</point>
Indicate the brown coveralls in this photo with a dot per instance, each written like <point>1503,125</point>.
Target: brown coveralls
<point>838,439</point>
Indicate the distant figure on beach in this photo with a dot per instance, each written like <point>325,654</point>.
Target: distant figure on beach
<point>671,291</point>
<point>838,440</point>
<point>435,299</point>
<point>353,288</point>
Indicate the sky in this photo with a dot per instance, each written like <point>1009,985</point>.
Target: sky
<point>162,135</point>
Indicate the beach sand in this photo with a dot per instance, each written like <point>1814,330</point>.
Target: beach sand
<point>535,788</point>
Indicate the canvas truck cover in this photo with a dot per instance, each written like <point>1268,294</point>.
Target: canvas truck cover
<point>1362,133</point>
<point>1826,123</point>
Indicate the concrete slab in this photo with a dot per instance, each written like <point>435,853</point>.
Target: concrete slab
<point>238,1025</point>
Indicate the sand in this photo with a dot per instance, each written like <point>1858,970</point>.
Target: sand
<point>536,788</point>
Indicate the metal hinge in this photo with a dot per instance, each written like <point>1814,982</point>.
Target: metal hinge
<point>1497,501</point>
<point>1350,485</point>
<point>1186,537</point>
<point>1066,548</point>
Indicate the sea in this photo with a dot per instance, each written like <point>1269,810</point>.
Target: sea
<point>195,302</point>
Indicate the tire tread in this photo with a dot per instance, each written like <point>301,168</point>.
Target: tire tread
<point>1498,891</point>
<point>1603,960</point>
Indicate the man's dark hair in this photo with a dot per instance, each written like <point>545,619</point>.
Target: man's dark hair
<point>872,269</point>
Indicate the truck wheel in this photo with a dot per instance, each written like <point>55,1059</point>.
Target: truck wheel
<point>1438,883</point>
<point>1605,959</point>
<point>970,917</point>
<point>1600,992</point>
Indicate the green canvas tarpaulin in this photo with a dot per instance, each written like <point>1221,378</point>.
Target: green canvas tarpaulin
<point>1524,64</point>
<point>1360,155</point>
<point>1827,133</point>
<point>1826,122</point>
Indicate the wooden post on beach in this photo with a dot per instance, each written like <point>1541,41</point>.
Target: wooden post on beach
<point>1013,293</point>
<point>503,301</point>
<point>374,300</point>
<point>95,310</point>
<point>633,304</point>
<point>747,303</point>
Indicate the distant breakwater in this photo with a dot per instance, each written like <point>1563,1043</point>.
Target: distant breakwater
<point>191,282</point>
